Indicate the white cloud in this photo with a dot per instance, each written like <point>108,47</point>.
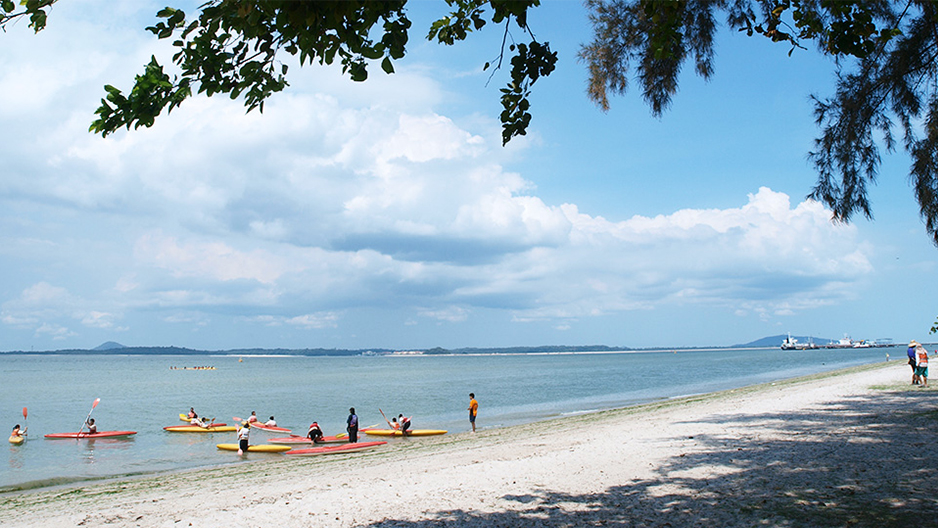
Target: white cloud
<point>354,195</point>
<point>210,260</point>
<point>317,320</point>
<point>451,314</point>
<point>56,332</point>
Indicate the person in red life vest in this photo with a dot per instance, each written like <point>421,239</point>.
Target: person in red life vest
<point>403,423</point>
<point>17,433</point>
<point>314,433</point>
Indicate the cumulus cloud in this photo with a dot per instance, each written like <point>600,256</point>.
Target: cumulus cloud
<point>211,260</point>
<point>49,309</point>
<point>339,200</point>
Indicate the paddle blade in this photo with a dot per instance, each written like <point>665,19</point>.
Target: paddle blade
<point>96,402</point>
<point>235,418</point>
<point>24,412</point>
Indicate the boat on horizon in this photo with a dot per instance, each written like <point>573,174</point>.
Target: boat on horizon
<point>790,343</point>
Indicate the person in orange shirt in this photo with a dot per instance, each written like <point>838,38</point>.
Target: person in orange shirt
<point>473,410</point>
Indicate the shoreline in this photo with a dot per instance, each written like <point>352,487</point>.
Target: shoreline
<point>835,448</point>
<point>59,483</point>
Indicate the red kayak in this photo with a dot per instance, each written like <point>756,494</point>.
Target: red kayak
<point>262,427</point>
<point>333,449</point>
<point>100,434</point>
<point>298,440</point>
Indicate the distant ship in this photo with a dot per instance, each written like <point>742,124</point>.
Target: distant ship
<point>847,342</point>
<point>790,343</point>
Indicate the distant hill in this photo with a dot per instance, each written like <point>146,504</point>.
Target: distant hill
<point>110,345</point>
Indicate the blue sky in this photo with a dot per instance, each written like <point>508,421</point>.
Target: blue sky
<point>388,215</point>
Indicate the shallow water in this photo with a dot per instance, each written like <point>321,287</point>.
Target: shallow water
<point>143,393</point>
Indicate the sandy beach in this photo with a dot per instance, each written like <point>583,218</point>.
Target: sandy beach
<point>851,448</point>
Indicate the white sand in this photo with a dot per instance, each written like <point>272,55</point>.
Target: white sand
<point>852,449</point>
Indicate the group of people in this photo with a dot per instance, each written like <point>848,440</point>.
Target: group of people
<point>918,360</point>
<point>314,433</point>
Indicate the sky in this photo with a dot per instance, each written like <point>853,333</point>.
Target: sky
<point>387,214</point>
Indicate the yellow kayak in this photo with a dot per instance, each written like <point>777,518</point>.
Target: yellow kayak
<point>261,448</point>
<point>394,432</point>
<point>17,440</point>
<point>217,428</point>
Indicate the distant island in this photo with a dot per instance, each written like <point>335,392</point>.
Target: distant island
<point>112,347</point>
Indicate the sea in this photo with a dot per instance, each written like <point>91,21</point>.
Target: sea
<point>146,393</point>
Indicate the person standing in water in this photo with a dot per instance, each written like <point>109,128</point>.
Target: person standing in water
<point>351,425</point>
<point>473,410</point>
<point>244,437</point>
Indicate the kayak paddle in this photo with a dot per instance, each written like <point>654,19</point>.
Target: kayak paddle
<point>93,405</point>
<point>385,418</point>
<point>25,423</point>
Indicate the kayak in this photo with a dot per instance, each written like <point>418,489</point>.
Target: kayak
<point>261,427</point>
<point>394,432</point>
<point>17,440</point>
<point>214,428</point>
<point>327,450</point>
<point>295,439</point>
<point>260,448</point>
<point>100,434</point>
<point>185,417</point>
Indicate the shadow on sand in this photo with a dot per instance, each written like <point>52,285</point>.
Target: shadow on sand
<point>869,461</point>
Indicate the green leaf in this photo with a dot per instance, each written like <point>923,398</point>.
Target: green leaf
<point>387,66</point>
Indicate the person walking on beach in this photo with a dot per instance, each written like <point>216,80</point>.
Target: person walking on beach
<point>351,425</point>
<point>921,365</point>
<point>913,361</point>
<point>244,437</point>
<point>473,410</point>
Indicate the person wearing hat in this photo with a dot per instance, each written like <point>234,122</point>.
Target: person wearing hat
<point>244,435</point>
<point>912,361</point>
<point>314,433</point>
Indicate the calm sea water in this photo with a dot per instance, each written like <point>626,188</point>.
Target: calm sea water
<point>143,394</point>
